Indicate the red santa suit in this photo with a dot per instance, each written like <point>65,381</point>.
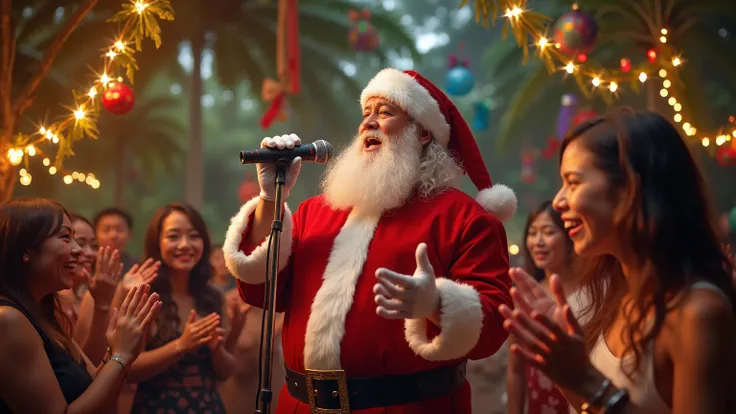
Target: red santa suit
<point>329,259</point>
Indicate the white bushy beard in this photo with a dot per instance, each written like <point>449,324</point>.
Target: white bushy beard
<point>374,182</point>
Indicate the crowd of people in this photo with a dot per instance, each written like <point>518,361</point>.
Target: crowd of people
<point>66,304</point>
<point>390,281</point>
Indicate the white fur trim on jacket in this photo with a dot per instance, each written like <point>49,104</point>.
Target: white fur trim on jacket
<point>406,92</point>
<point>461,321</point>
<point>498,200</point>
<point>252,268</point>
<point>326,324</point>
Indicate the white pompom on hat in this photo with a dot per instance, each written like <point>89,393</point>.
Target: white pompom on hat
<point>431,108</point>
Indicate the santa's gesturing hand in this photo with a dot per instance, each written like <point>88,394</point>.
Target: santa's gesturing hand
<point>267,171</point>
<point>407,297</point>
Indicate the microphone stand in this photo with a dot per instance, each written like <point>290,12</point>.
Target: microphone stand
<point>271,283</point>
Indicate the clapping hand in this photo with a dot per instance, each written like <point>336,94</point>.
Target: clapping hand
<point>127,328</point>
<point>236,310</point>
<point>547,334</point>
<point>103,284</point>
<point>216,338</point>
<point>198,332</point>
<point>267,171</point>
<point>141,274</point>
<point>530,295</point>
<point>407,297</point>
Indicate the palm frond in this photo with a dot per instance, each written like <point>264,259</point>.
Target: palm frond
<point>527,93</point>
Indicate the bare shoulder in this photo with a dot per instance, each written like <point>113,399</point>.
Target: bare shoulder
<point>701,317</point>
<point>19,336</point>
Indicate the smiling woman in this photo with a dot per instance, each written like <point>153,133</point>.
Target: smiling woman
<point>187,352</point>
<point>547,251</point>
<point>661,334</point>
<point>39,256</point>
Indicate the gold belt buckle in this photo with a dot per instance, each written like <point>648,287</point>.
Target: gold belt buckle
<point>341,392</point>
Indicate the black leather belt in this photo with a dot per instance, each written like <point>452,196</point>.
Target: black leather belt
<point>331,391</point>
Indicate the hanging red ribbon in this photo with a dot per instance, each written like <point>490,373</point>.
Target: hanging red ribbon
<point>288,64</point>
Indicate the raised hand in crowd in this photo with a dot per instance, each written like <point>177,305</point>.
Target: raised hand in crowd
<point>145,273</point>
<point>216,338</point>
<point>236,311</point>
<point>103,284</point>
<point>129,326</point>
<point>95,305</point>
<point>138,275</point>
<point>546,333</point>
<point>530,296</point>
<point>198,332</point>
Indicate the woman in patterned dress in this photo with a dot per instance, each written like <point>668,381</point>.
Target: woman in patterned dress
<point>547,251</point>
<point>188,351</point>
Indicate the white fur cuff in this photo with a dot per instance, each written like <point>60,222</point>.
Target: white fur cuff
<point>252,268</point>
<point>461,321</point>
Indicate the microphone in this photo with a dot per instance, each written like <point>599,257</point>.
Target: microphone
<point>318,151</point>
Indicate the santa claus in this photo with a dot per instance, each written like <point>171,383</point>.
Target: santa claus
<point>391,279</point>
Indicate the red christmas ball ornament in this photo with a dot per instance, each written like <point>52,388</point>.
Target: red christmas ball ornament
<point>118,98</point>
<point>652,55</point>
<point>582,57</point>
<point>625,65</point>
<point>726,156</point>
<point>575,31</point>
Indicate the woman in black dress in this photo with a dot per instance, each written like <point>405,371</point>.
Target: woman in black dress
<point>43,369</point>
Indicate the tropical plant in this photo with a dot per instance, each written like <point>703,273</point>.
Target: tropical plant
<point>137,145</point>
<point>31,38</point>
<point>242,37</point>
<point>630,28</point>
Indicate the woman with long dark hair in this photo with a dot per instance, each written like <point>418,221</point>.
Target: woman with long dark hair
<point>43,369</point>
<point>662,333</point>
<point>98,272</point>
<point>547,251</point>
<point>187,351</point>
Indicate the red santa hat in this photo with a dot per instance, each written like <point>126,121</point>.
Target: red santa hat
<point>432,109</point>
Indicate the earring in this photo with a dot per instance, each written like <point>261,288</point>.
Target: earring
<point>26,259</point>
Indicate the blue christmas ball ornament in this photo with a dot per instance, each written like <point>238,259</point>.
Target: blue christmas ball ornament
<point>481,117</point>
<point>459,81</point>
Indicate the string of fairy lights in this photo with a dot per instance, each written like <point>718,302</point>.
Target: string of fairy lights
<point>664,64</point>
<point>139,21</point>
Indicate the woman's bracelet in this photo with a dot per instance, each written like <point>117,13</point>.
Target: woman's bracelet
<point>597,397</point>
<point>617,403</point>
<point>120,360</point>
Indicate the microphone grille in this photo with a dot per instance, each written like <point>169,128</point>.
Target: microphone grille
<point>323,151</point>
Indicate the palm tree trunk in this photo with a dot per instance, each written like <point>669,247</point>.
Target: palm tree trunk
<point>195,173</point>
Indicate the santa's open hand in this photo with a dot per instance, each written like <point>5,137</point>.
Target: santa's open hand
<point>267,171</point>
<point>407,297</point>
